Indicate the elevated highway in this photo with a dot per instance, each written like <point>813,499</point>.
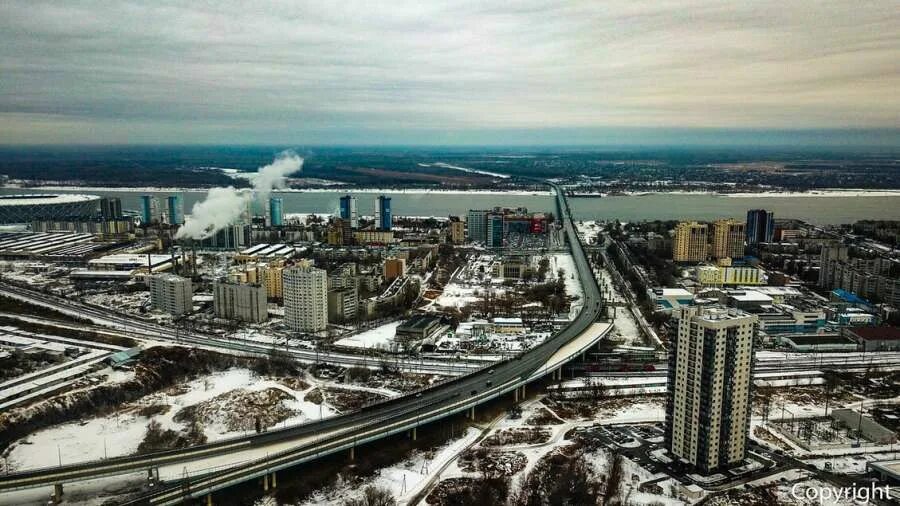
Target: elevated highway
<point>133,327</point>
<point>284,448</point>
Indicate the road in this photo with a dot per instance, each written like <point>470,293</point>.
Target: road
<point>140,329</point>
<point>348,431</point>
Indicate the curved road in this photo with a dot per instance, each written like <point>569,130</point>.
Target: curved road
<point>314,440</point>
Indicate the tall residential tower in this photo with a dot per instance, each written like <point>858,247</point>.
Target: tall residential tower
<point>690,243</point>
<point>727,239</point>
<point>349,211</point>
<point>760,226</point>
<point>708,403</point>
<point>383,216</point>
<point>305,298</point>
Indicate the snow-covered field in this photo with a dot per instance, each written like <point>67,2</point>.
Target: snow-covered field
<point>121,433</point>
<point>380,337</point>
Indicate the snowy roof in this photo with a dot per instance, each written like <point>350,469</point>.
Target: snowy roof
<point>507,321</point>
<point>672,292</point>
<point>37,199</point>
<point>749,296</point>
<point>130,259</point>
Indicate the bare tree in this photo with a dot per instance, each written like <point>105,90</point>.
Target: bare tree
<point>373,496</point>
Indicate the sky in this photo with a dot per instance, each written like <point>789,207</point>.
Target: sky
<point>454,72</point>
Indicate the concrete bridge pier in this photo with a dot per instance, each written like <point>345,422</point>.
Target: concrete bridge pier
<point>57,493</point>
<point>209,500</point>
<point>472,413</point>
<point>274,480</point>
<point>153,475</point>
<point>413,433</point>
<point>266,482</point>
<point>352,453</point>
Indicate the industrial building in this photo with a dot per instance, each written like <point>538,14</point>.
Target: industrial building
<point>708,391</point>
<point>418,328</point>
<point>265,252</point>
<point>874,338</point>
<point>24,245</point>
<point>233,237</point>
<point>133,263</point>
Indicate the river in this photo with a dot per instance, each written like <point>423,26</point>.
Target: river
<point>820,210</point>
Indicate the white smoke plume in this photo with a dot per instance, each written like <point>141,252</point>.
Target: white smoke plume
<point>272,176</point>
<point>223,206</point>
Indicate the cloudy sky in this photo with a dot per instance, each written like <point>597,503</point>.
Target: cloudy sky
<point>450,72</point>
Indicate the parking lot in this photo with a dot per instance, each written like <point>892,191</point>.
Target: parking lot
<point>644,445</point>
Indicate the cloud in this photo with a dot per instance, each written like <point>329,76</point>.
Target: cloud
<point>288,72</point>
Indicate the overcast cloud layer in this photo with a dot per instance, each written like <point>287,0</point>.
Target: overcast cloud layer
<point>433,72</point>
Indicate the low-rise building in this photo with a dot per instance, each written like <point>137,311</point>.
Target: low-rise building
<point>418,327</point>
<point>667,299</point>
<point>715,275</point>
<point>373,236</point>
<point>875,338</point>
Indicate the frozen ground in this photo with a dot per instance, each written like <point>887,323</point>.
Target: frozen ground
<point>121,433</point>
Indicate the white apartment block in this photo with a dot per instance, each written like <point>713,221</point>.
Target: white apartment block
<point>171,293</point>
<point>708,403</point>
<point>240,301</point>
<point>305,298</point>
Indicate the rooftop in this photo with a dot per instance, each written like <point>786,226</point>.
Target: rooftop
<point>130,259</point>
<point>876,333</point>
<point>419,322</point>
<point>749,296</point>
<point>45,198</point>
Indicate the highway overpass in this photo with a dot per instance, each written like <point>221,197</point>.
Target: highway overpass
<point>284,448</point>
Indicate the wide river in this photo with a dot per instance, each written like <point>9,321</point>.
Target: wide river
<point>822,210</point>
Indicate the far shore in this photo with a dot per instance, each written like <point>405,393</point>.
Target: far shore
<point>762,194</point>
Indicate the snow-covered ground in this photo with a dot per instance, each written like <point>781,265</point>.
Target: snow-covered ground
<point>565,262</point>
<point>381,337</point>
<point>121,433</point>
<point>404,479</point>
